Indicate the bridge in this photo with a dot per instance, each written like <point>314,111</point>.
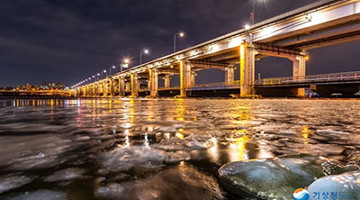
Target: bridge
<point>290,36</point>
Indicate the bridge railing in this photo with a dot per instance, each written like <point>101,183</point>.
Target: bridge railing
<point>220,84</point>
<point>310,78</point>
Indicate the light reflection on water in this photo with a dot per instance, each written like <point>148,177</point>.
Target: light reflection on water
<point>213,132</point>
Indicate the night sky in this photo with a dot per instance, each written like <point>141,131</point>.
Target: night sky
<point>68,41</point>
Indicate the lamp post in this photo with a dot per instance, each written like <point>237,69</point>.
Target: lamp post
<point>252,14</point>
<point>113,67</point>
<point>98,75</point>
<point>145,51</point>
<point>105,74</point>
<point>125,64</point>
<point>176,35</point>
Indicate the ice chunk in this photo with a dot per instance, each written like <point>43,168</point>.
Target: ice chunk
<point>125,158</point>
<point>174,157</point>
<point>66,175</point>
<point>271,178</point>
<point>12,181</point>
<point>40,195</point>
<point>182,182</point>
<point>346,184</point>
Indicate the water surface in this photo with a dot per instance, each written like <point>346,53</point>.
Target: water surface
<point>159,148</point>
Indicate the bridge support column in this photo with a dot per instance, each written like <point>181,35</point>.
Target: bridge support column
<point>77,92</point>
<point>94,90</point>
<point>89,90</point>
<point>193,79</point>
<point>229,74</point>
<point>247,70</point>
<point>299,72</point>
<point>185,77</point>
<point>167,81</point>
<point>84,90</point>
<point>112,88</point>
<point>128,85</point>
<point>134,85</point>
<point>121,83</point>
<point>105,89</point>
<point>154,82</point>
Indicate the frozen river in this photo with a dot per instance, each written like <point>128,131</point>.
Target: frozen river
<point>159,148</point>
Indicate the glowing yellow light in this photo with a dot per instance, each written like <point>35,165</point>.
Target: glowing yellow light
<point>235,42</point>
<point>180,136</point>
<point>305,131</point>
<point>242,64</point>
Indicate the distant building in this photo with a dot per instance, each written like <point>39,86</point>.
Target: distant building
<point>49,86</point>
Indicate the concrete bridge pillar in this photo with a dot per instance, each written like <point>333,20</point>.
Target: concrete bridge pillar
<point>128,86</point>
<point>229,74</point>
<point>247,70</point>
<point>167,81</point>
<point>112,87</point>
<point>193,79</point>
<point>94,90</point>
<point>84,91</point>
<point>134,85</point>
<point>105,88</point>
<point>88,90</point>
<point>299,72</point>
<point>154,82</point>
<point>77,92</point>
<point>121,83</point>
<point>185,77</point>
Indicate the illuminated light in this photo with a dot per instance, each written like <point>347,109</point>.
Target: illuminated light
<point>268,30</point>
<point>126,125</point>
<point>235,42</point>
<point>181,34</point>
<point>307,57</point>
<point>247,27</point>
<point>167,136</point>
<point>213,48</point>
<point>126,61</point>
<point>242,64</point>
<point>146,51</point>
<point>238,150</point>
<point>181,119</point>
<point>181,76</point>
<point>317,18</point>
<point>180,136</point>
<point>113,67</point>
<point>146,141</point>
<point>213,152</point>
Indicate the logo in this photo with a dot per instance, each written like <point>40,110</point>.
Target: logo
<point>301,194</point>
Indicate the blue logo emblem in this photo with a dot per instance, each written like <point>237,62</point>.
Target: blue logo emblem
<point>301,194</point>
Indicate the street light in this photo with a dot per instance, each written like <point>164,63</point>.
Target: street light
<point>252,14</point>
<point>125,64</point>
<point>105,73</point>
<point>176,35</point>
<point>113,67</point>
<point>145,51</point>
